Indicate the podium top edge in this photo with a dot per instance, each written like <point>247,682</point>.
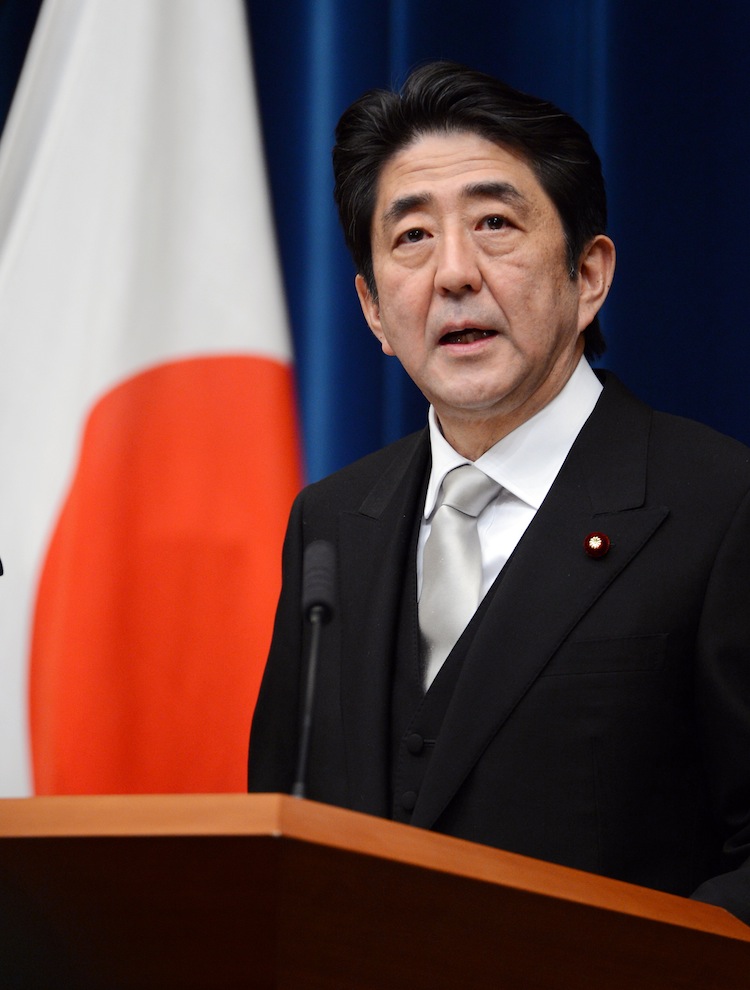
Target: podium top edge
<point>284,817</point>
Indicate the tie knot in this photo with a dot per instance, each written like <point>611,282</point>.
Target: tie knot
<point>467,489</point>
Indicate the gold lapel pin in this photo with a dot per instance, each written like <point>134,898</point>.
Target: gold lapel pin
<point>596,544</point>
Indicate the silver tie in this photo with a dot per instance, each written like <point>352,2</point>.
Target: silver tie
<point>452,564</point>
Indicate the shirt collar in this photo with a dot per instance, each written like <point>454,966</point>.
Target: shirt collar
<point>527,460</point>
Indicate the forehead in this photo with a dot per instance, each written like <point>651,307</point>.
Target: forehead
<point>452,165</point>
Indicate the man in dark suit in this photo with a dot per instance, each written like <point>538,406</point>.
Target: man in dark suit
<point>595,709</point>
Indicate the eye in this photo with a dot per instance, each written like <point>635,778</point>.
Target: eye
<point>494,222</point>
<point>412,236</point>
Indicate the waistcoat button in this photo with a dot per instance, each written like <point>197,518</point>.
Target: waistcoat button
<point>415,743</point>
<point>408,800</point>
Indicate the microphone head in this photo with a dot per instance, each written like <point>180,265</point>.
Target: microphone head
<point>319,579</point>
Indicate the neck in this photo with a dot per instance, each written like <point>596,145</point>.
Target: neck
<point>472,439</point>
<point>473,433</point>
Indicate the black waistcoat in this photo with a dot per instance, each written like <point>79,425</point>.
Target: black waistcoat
<point>416,716</point>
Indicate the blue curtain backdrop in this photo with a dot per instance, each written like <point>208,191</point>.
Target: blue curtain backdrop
<point>663,90</point>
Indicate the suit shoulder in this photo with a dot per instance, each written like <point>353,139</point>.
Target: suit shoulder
<point>356,480</point>
<point>700,448</point>
<point>683,447</point>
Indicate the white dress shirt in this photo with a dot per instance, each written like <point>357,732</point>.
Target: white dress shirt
<point>525,462</point>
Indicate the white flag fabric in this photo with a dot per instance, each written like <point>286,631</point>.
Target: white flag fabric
<point>148,438</point>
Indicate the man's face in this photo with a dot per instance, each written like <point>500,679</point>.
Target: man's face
<point>474,295</point>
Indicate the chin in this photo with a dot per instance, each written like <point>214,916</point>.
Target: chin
<point>476,399</point>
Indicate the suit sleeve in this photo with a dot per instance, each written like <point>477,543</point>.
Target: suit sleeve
<point>723,711</point>
<point>274,733</point>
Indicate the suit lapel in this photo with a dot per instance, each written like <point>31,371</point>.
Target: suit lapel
<point>547,586</point>
<point>375,542</point>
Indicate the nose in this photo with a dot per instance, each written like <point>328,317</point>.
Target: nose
<point>457,269</point>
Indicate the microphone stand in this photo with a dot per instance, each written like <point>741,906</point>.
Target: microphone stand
<point>318,598</point>
<point>316,617</point>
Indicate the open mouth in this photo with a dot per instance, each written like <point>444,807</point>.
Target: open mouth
<point>468,335</point>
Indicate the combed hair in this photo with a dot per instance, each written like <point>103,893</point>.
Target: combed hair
<point>443,97</point>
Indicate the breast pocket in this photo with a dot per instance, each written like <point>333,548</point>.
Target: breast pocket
<point>608,656</point>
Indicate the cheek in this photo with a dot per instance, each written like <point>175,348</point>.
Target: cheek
<point>555,302</point>
<point>402,307</point>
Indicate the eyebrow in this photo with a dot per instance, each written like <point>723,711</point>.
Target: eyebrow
<point>403,205</point>
<point>505,192</point>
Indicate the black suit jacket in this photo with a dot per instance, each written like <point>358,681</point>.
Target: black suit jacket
<point>602,715</point>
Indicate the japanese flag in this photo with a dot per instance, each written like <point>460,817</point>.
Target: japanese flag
<point>148,439</point>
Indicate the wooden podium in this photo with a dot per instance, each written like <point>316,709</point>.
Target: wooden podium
<point>268,891</point>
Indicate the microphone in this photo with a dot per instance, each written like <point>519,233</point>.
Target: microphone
<point>318,606</point>
<point>318,581</point>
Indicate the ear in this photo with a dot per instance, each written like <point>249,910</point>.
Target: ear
<point>596,269</point>
<point>371,311</point>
